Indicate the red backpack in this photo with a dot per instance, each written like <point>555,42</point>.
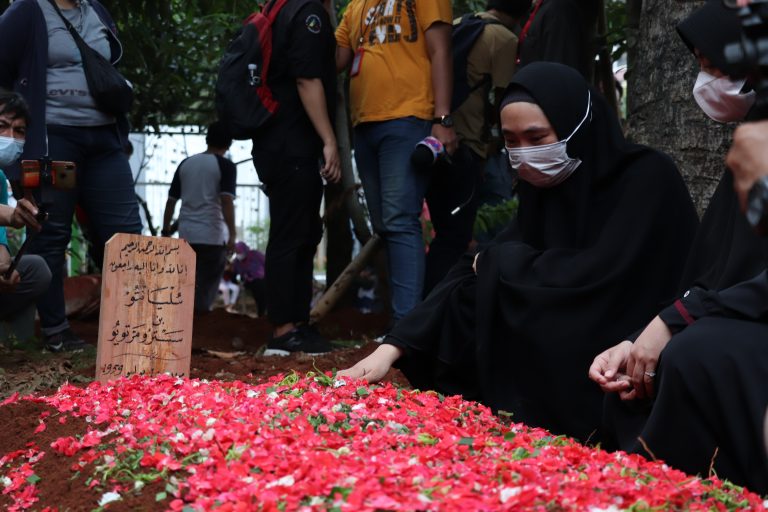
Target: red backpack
<point>244,100</point>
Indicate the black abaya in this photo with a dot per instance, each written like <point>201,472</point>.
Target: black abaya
<point>562,31</point>
<point>712,382</point>
<point>585,263</point>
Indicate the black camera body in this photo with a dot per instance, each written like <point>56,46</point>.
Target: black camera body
<point>748,58</point>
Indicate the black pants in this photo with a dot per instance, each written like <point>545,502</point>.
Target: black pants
<point>258,291</point>
<point>294,189</point>
<point>211,260</point>
<point>452,186</point>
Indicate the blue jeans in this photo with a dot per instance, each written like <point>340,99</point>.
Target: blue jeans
<point>394,191</point>
<point>104,190</point>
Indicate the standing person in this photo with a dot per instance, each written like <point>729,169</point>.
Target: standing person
<point>249,267</point>
<point>205,183</point>
<point>690,388</point>
<point>292,153</point>
<point>598,216</point>
<point>454,192</point>
<point>561,31</point>
<point>399,56</point>
<point>32,276</point>
<point>39,59</point>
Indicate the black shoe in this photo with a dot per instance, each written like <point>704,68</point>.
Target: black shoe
<point>64,341</point>
<point>297,341</point>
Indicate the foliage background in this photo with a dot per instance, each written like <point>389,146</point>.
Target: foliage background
<point>172,50</point>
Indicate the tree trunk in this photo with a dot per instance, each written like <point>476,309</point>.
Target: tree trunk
<point>661,110</point>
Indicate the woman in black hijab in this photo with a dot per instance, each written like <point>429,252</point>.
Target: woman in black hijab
<point>601,235</point>
<point>704,359</point>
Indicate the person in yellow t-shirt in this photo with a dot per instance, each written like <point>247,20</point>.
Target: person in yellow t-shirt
<point>398,53</point>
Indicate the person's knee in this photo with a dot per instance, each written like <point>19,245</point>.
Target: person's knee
<point>35,273</point>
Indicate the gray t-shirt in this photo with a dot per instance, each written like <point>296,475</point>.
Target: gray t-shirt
<point>198,182</point>
<point>69,102</point>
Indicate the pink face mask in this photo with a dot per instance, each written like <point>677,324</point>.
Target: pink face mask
<point>548,165</point>
<point>721,98</point>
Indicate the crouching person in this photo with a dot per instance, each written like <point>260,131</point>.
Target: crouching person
<point>31,278</point>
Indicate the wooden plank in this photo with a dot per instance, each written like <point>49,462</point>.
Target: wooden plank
<point>147,299</point>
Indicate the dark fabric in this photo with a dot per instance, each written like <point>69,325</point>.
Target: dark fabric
<point>35,278</point>
<point>709,29</point>
<point>209,267</point>
<point>23,68</point>
<point>257,289</point>
<point>583,264</point>
<point>562,31</point>
<point>104,190</point>
<point>725,252</point>
<point>294,189</point>
<point>712,394</point>
<point>302,49</point>
<point>452,186</point>
<point>228,175</point>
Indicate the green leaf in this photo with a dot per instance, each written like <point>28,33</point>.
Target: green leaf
<point>161,496</point>
<point>510,436</point>
<point>427,439</point>
<point>33,479</point>
<point>467,441</point>
<point>361,391</point>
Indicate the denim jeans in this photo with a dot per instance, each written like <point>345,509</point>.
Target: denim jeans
<point>105,192</point>
<point>394,191</point>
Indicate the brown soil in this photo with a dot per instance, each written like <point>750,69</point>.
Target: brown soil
<point>224,346</point>
<point>229,346</point>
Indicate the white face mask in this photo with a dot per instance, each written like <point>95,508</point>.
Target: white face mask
<point>10,150</point>
<point>240,256</point>
<point>548,165</point>
<point>721,98</point>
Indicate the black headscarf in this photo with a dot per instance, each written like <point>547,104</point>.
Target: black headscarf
<point>709,29</point>
<point>726,250</point>
<point>584,264</point>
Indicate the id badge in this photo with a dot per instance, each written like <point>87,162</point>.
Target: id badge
<point>357,61</point>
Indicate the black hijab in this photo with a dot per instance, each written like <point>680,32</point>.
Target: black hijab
<point>726,250</point>
<point>585,263</point>
<point>709,29</point>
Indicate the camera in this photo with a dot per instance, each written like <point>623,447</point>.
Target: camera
<point>748,58</point>
<point>48,173</point>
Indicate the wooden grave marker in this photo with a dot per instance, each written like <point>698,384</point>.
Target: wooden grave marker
<point>147,299</point>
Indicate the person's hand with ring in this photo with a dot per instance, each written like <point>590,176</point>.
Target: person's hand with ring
<point>644,357</point>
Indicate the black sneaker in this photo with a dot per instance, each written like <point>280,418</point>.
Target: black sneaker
<point>297,341</point>
<point>64,341</point>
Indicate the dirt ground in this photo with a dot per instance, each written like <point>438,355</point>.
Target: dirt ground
<point>225,346</point>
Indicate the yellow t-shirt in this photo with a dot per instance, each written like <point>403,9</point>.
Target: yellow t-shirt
<point>395,78</point>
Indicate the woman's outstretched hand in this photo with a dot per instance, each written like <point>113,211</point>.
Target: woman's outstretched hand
<point>374,367</point>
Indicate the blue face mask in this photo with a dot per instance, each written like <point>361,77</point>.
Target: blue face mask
<point>10,150</point>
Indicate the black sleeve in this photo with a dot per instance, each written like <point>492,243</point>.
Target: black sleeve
<point>311,34</point>
<point>747,300</point>
<point>175,191</point>
<point>228,176</point>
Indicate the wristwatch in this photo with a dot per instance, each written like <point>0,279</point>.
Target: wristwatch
<point>446,121</point>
